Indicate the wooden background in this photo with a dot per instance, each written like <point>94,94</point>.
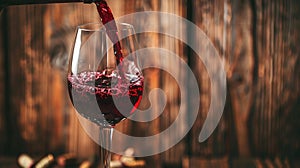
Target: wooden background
<point>258,40</point>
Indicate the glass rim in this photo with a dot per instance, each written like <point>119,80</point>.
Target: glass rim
<point>97,26</point>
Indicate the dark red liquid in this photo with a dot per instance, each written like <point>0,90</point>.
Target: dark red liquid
<point>101,98</point>
<point>108,21</point>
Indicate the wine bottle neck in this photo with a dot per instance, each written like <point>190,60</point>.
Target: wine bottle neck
<point>5,3</point>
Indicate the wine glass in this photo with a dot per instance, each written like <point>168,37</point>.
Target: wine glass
<point>104,88</point>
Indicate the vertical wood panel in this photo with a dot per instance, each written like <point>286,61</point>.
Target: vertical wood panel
<point>208,16</point>
<point>3,132</point>
<point>240,74</point>
<point>14,47</point>
<point>278,80</point>
<point>63,19</point>
<point>174,155</point>
<point>31,80</point>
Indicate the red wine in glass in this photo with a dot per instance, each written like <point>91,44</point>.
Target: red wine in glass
<point>87,86</point>
<point>100,91</point>
<point>107,91</point>
<point>105,87</point>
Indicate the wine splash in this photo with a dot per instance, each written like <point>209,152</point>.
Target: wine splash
<point>85,87</point>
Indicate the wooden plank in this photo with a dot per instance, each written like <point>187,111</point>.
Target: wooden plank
<point>169,85</point>
<point>59,37</point>
<point>3,129</point>
<point>208,16</point>
<point>240,74</point>
<point>31,80</point>
<point>276,93</point>
<point>15,93</point>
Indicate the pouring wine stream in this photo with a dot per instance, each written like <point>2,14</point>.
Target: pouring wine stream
<point>108,21</point>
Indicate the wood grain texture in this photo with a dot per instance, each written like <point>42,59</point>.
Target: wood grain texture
<point>208,16</point>
<point>277,88</point>
<point>31,105</point>
<point>169,85</point>
<point>257,51</point>
<point>64,19</point>
<point>240,74</point>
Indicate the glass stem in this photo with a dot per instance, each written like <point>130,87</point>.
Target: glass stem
<point>105,142</point>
